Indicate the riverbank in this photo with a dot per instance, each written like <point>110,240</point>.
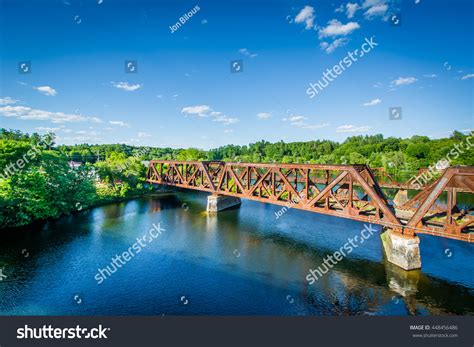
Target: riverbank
<point>38,223</point>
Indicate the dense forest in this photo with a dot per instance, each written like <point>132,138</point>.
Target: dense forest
<point>37,181</point>
<point>393,154</point>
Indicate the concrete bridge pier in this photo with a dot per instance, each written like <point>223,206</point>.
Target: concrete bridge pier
<point>401,250</point>
<point>216,203</point>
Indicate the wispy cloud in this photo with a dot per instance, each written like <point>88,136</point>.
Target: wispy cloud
<point>329,48</point>
<point>300,122</point>
<point>247,53</point>
<point>28,113</point>
<point>332,32</point>
<point>264,115</point>
<point>8,101</point>
<point>336,28</point>
<point>119,123</point>
<point>372,102</point>
<point>378,10</point>
<point>205,111</point>
<point>401,81</point>
<point>126,86</point>
<point>143,135</point>
<point>352,129</point>
<point>46,90</point>
<point>198,110</point>
<point>430,76</point>
<point>48,129</point>
<point>222,118</point>
<point>88,132</point>
<point>351,9</point>
<point>465,77</point>
<point>294,119</point>
<point>314,126</point>
<point>375,8</point>
<point>306,16</point>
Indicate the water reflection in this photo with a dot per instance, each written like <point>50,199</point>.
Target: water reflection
<point>237,262</point>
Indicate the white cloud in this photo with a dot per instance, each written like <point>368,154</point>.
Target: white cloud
<point>28,113</point>
<point>228,131</point>
<point>199,110</point>
<point>46,90</point>
<point>401,81</point>
<point>370,3</point>
<point>119,123</point>
<point>247,53</point>
<point>378,10</point>
<point>351,9</point>
<point>8,101</point>
<point>430,76</point>
<point>95,120</point>
<point>264,115</point>
<point>205,111</point>
<point>306,15</point>
<point>143,135</point>
<point>352,129</point>
<point>314,126</point>
<point>48,129</point>
<point>465,77</point>
<point>329,48</point>
<point>336,28</point>
<point>372,102</point>
<point>126,86</point>
<point>294,119</point>
<point>299,121</point>
<point>225,119</point>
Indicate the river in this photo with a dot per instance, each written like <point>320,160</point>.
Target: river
<point>243,261</point>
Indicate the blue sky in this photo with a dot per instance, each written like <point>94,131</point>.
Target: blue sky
<point>184,94</point>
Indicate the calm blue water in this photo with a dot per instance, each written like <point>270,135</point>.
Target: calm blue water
<point>238,262</point>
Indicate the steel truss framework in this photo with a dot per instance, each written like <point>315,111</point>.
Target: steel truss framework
<point>348,191</point>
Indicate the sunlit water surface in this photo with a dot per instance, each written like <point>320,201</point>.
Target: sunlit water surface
<point>243,261</point>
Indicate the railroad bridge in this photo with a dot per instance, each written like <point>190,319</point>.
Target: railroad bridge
<point>347,191</point>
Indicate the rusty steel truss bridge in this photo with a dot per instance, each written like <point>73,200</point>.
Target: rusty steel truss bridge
<point>347,191</point>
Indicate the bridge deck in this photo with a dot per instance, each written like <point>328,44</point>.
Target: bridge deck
<point>347,191</point>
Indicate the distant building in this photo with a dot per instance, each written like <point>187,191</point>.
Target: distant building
<point>74,164</point>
